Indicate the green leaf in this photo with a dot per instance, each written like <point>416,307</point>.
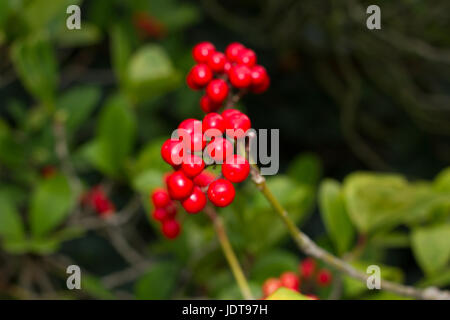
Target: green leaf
<point>306,169</point>
<point>50,204</point>
<point>150,72</point>
<point>94,287</point>
<point>442,181</point>
<point>150,158</point>
<point>88,35</point>
<point>273,264</point>
<point>147,180</point>
<point>287,294</point>
<point>120,52</point>
<point>35,63</point>
<point>77,105</point>
<point>431,247</point>
<point>335,216</point>
<point>158,283</point>
<point>116,135</point>
<point>11,225</point>
<point>440,279</point>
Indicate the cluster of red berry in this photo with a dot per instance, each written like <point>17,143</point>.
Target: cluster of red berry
<point>236,67</point>
<point>308,272</point>
<point>97,200</point>
<point>198,144</point>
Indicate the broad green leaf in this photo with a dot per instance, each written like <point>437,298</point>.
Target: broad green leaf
<point>174,15</point>
<point>440,279</point>
<point>94,287</point>
<point>273,264</point>
<point>306,169</point>
<point>431,247</point>
<point>442,181</point>
<point>395,239</point>
<point>150,72</point>
<point>335,216</point>
<point>35,63</point>
<point>120,52</point>
<point>116,134</point>
<point>77,104</point>
<point>147,181</point>
<point>50,204</point>
<point>150,158</point>
<point>158,283</point>
<point>11,225</point>
<point>88,35</point>
<point>287,294</point>
<point>232,291</point>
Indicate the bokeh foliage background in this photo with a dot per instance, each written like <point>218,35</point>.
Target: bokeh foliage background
<point>364,119</point>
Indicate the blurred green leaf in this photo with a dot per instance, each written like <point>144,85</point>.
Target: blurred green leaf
<point>120,52</point>
<point>287,294</point>
<point>335,215</point>
<point>305,168</point>
<point>442,181</point>
<point>77,104</point>
<point>88,35</point>
<point>431,247</point>
<point>35,63</point>
<point>273,264</point>
<point>150,72</point>
<point>11,225</point>
<point>158,283</point>
<point>440,279</point>
<point>50,204</point>
<point>147,181</point>
<point>94,287</point>
<point>150,158</point>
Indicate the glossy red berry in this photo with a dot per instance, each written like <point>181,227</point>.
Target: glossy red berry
<point>221,192</point>
<point>290,280</point>
<point>216,62</point>
<point>236,168</point>
<point>246,57</point>
<point>160,214</point>
<point>190,131</point>
<point>227,67</point>
<point>236,125</point>
<point>200,75</point>
<point>232,51</point>
<point>229,112</point>
<point>207,105</point>
<point>240,76</point>
<point>172,152</point>
<point>213,121</point>
<point>262,87</point>
<point>270,286</point>
<point>171,210</point>
<point>217,90</point>
<point>202,51</point>
<point>192,165</point>
<point>204,179</point>
<point>160,198</point>
<point>195,202</point>
<point>219,149</point>
<point>179,186</point>
<point>307,268</point>
<point>259,75</point>
<point>171,228</point>
<point>324,277</point>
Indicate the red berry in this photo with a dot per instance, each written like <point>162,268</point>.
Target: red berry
<point>219,149</point>
<point>290,280</point>
<point>160,198</point>
<point>270,286</point>
<point>204,179</point>
<point>217,90</point>
<point>179,186</point>
<point>160,214</point>
<point>236,125</point>
<point>259,76</point>
<point>195,202</point>
<point>232,51</point>
<point>213,121</point>
<point>324,277</point>
<point>216,61</point>
<point>200,75</point>
<point>227,67</point>
<point>207,105</point>
<point>262,87</point>
<point>192,165</point>
<point>221,192</point>
<point>171,210</point>
<point>236,168</point>
<point>202,51</point>
<point>190,131</point>
<point>229,112</point>
<point>171,228</point>
<point>190,82</point>
<point>172,152</point>
<point>307,268</point>
<point>240,76</point>
<point>246,57</point>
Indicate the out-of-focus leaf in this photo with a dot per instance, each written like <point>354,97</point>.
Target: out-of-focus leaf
<point>77,104</point>
<point>94,287</point>
<point>40,14</point>
<point>335,216</point>
<point>287,294</point>
<point>158,282</point>
<point>115,136</point>
<point>147,181</point>
<point>391,240</point>
<point>442,181</point>
<point>232,291</point>
<point>120,52</point>
<point>88,35</point>
<point>35,63</point>
<point>151,73</point>
<point>431,247</point>
<point>11,152</point>
<point>440,279</point>
<point>306,169</point>
<point>11,225</point>
<point>50,204</point>
<point>384,295</point>
<point>150,158</point>
<point>273,264</point>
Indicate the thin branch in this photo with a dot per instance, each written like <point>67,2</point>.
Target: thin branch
<point>310,248</point>
<point>229,253</point>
